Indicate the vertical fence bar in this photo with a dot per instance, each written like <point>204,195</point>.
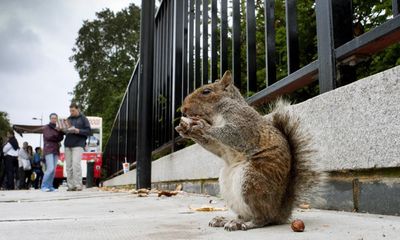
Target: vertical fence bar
<point>165,80</point>
<point>214,44</point>
<point>156,77</point>
<point>131,112</point>
<point>224,37</point>
<point>251,46</point>
<point>205,43</point>
<point>170,68</point>
<point>158,80</point>
<point>191,47</point>
<point>270,60</point>
<point>395,7</point>
<point>118,131</point>
<point>342,11</point>
<point>162,96</point>
<point>185,87</point>
<point>126,124</point>
<point>326,58</point>
<point>236,44</point>
<point>143,167</point>
<point>197,48</point>
<point>177,64</point>
<point>292,36</point>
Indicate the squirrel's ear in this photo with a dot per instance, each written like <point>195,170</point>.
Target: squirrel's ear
<point>226,80</point>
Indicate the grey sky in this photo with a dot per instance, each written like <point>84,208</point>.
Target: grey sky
<point>36,38</point>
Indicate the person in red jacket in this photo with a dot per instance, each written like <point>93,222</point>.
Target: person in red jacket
<point>52,136</point>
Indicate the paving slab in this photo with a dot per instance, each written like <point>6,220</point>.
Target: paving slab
<point>95,214</point>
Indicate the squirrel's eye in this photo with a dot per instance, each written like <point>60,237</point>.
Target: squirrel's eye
<point>206,91</point>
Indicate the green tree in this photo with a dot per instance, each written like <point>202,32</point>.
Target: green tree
<point>105,53</point>
<point>5,125</point>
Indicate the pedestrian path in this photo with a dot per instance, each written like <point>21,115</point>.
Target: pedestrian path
<point>94,214</point>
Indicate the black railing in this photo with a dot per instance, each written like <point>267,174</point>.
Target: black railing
<point>183,61</point>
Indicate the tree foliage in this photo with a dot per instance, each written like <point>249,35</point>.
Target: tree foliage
<point>105,53</point>
<point>5,125</point>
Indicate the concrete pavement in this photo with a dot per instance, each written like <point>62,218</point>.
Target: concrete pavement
<point>94,214</point>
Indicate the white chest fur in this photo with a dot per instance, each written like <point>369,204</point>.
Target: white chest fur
<point>231,181</point>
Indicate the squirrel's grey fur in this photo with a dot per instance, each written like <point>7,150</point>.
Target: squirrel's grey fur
<point>267,160</point>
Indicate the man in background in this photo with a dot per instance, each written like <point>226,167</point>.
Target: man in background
<point>74,144</point>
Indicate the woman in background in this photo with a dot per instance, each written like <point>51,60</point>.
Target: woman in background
<point>52,137</point>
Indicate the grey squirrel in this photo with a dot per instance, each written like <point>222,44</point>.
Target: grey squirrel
<point>267,160</point>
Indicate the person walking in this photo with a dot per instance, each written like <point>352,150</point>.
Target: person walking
<point>74,144</point>
<point>37,167</point>
<point>52,137</point>
<point>10,151</point>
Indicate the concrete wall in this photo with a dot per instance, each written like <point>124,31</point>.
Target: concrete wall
<point>358,125</point>
<point>354,127</point>
<point>191,163</point>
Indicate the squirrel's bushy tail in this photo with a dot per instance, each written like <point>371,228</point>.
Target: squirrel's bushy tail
<point>303,175</point>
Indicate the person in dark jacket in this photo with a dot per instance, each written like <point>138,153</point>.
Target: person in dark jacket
<point>10,151</point>
<point>74,144</point>
<point>52,137</point>
<point>37,167</point>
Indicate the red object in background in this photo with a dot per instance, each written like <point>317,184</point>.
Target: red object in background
<point>98,161</point>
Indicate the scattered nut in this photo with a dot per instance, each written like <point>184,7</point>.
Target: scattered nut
<point>133,191</point>
<point>142,195</point>
<point>298,225</point>
<point>167,193</point>
<point>179,187</point>
<point>143,190</point>
<point>304,206</point>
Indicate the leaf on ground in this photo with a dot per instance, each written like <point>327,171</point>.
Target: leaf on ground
<point>207,209</point>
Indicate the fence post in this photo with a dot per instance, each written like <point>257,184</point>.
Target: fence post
<point>143,159</point>
<point>223,39</point>
<point>270,62</point>
<point>251,47</point>
<point>204,66</point>
<point>326,57</point>
<point>395,7</point>
<point>292,36</point>
<point>236,44</point>
<point>343,32</point>
<point>177,66</point>
<point>214,47</point>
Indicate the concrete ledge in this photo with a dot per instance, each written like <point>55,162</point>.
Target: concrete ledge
<point>191,163</point>
<point>356,126</point>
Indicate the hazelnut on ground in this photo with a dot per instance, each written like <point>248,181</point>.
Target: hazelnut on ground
<point>298,225</point>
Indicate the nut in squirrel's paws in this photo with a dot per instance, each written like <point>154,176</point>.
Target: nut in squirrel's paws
<point>190,126</point>
<point>186,120</point>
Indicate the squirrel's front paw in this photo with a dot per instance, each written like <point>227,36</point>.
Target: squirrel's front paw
<point>235,225</point>
<point>218,222</point>
<point>183,127</point>
<point>190,128</point>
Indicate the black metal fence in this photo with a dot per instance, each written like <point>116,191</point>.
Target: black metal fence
<point>186,56</point>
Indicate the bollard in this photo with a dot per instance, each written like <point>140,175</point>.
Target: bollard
<point>89,173</point>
